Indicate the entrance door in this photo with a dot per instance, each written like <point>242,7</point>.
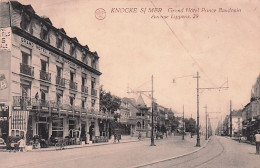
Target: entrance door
<point>91,132</point>
<point>43,130</point>
<point>83,132</point>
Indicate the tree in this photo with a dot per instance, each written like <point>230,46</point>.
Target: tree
<point>109,102</point>
<point>190,125</point>
<point>174,123</point>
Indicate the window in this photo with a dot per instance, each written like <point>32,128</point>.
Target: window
<point>93,64</point>
<point>44,92</point>
<point>43,96</point>
<point>138,125</point>
<point>72,49</point>
<point>93,102</point>
<point>84,58</point>
<point>72,74</point>
<point>83,104</point>
<point>59,42</point>
<point>72,100</point>
<point>44,33</point>
<point>26,23</point>
<point>59,71</point>
<point>93,82</point>
<point>84,79</point>
<point>25,58</point>
<point>26,90</point>
<point>44,65</point>
<point>59,96</point>
<point>57,127</point>
<point>72,125</point>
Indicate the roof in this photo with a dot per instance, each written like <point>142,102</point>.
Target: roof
<point>140,101</point>
<point>29,9</point>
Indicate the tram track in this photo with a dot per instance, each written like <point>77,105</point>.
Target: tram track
<point>194,159</point>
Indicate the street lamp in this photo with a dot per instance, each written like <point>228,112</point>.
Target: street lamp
<point>152,137</point>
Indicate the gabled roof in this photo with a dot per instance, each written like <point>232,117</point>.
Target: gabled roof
<point>140,101</point>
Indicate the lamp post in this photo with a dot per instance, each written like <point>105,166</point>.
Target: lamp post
<point>152,130</point>
<point>183,123</point>
<point>198,113</point>
<point>152,137</point>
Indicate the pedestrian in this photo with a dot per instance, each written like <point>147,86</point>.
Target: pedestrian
<point>257,142</point>
<point>240,136</point>
<point>115,137</point>
<point>21,143</point>
<point>118,138</point>
<point>139,136</point>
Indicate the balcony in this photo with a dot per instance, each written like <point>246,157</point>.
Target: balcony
<point>94,92</point>
<point>60,81</point>
<point>45,76</point>
<point>73,85</point>
<point>84,89</point>
<point>19,101</point>
<point>26,69</point>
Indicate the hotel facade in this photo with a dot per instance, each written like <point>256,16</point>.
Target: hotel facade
<point>49,82</point>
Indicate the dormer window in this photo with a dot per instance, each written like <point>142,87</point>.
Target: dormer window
<point>84,57</point>
<point>44,34</point>
<point>59,41</point>
<point>94,63</point>
<point>26,23</point>
<point>72,49</point>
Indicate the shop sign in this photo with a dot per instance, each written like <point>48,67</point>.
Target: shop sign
<point>17,107</point>
<point>5,38</point>
<point>29,107</point>
<point>45,108</point>
<point>42,50</point>
<point>4,112</point>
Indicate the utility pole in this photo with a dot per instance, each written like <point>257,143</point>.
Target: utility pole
<point>191,127</point>
<point>206,135</point>
<point>218,88</point>
<point>230,116</point>
<point>152,138</point>
<point>198,113</point>
<point>143,92</point>
<point>183,123</point>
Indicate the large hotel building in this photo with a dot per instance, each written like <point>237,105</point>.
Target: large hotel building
<point>49,82</point>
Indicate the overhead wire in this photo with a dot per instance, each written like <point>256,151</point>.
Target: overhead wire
<point>184,47</point>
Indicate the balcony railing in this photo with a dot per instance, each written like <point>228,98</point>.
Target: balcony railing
<point>60,81</point>
<point>45,76</point>
<point>84,89</point>
<point>73,85</point>
<point>20,101</point>
<point>94,92</point>
<point>26,69</point>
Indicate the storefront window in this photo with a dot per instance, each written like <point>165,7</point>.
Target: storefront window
<point>57,127</point>
<point>72,125</point>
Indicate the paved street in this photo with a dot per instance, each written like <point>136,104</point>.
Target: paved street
<point>221,152</point>
<point>113,155</point>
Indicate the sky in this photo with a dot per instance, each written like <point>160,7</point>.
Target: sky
<point>221,46</point>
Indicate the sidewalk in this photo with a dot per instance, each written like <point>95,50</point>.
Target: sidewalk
<point>124,139</point>
<point>243,140</point>
<point>113,155</point>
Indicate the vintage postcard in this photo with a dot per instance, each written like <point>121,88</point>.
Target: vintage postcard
<point>127,84</point>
